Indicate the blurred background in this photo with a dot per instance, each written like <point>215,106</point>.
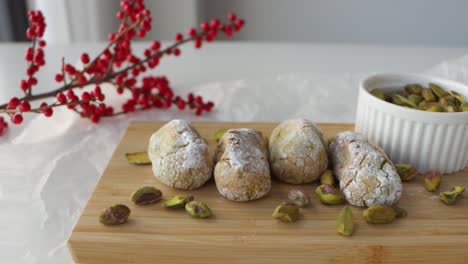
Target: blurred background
<point>396,22</point>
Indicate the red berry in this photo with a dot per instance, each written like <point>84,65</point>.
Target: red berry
<point>25,106</point>
<point>85,58</point>
<point>199,111</point>
<point>17,119</point>
<point>95,118</point>
<point>48,112</point>
<point>71,95</point>
<point>82,79</point>
<point>28,56</point>
<point>205,26</point>
<point>58,77</point>
<point>192,32</point>
<point>232,17</point>
<point>179,37</point>
<point>177,52</point>
<point>42,43</point>
<point>120,15</point>
<point>24,85</point>
<point>85,96</point>
<point>215,23</point>
<point>97,91</point>
<point>13,103</point>
<point>155,45</point>
<point>61,98</point>
<point>181,104</point>
<point>198,43</point>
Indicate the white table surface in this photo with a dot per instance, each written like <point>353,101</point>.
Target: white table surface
<point>49,167</point>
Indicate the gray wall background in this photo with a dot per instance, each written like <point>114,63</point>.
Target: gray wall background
<point>396,22</point>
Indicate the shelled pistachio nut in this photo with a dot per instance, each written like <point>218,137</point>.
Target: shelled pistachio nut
<point>399,212</point>
<point>428,95</point>
<point>451,196</point>
<point>286,212</point>
<point>379,214</point>
<point>198,209</point>
<point>413,88</point>
<point>327,178</point>
<point>138,158</point>
<point>345,222</point>
<point>177,201</point>
<point>218,134</point>
<point>115,215</point>
<point>437,90</point>
<point>298,197</point>
<point>146,195</point>
<point>329,195</point>
<point>458,96</point>
<point>378,93</point>
<point>406,171</point>
<point>415,98</point>
<point>432,180</point>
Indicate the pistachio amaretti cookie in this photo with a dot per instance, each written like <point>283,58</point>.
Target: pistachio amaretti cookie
<point>179,156</point>
<point>367,176</point>
<point>242,172</point>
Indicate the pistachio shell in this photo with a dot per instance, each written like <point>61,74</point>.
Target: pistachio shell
<point>298,198</point>
<point>345,222</point>
<point>177,201</point>
<point>198,209</point>
<point>378,93</point>
<point>406,171</point>
<point>138,158</point>
<point>146,195</point>
<point>327,178</point>
<point>451,196</point>
<point>379,214</point>
<point>437,90</point>
<point>329,195</point>
<point>115,215</point>
<point>286,212</point>
<point>432,180</point>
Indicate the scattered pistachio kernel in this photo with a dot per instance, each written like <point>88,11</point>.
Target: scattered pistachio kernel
<point>428,95</point>
<point>400,212</point>
<point>345,222</point>
<point>177,201</point>
<point>115,215</point>
<point>298,198</point>
<point>327,178</point>
<point>437,90</point>
<point>329,195</point>
<point>198,209</point>
<point>432,180</point>
<point>378,93</point>
<point>379,214</point>
<point>218,134</point>
<point>330,139</point>
<point>146,195</point>
<point>451,196</point>
<point>396,99</point>
<point>406,171</point>
<point>138,158</point>
<point>286,212</point>
<point>404,101</point>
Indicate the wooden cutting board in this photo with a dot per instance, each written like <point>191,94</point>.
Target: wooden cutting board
<point>246,232</point>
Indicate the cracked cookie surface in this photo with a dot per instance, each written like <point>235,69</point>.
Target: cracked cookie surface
<point>242,172</point>
<point>298,151</point>
<point>367,176</point>
<point>179,155</point>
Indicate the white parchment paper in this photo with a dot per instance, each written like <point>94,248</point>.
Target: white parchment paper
<point>49,167</point>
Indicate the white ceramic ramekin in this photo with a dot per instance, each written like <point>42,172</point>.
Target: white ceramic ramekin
<point>428,140</point>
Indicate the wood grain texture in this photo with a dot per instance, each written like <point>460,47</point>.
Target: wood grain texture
<point>245,232</point>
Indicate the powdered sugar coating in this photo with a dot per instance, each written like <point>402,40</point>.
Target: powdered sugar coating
<point>367,176</point>
<point>298,151</point>
<point>180,157</point>
<point>242,172</point>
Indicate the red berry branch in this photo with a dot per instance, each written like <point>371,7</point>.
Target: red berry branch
<point>117,65</point>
